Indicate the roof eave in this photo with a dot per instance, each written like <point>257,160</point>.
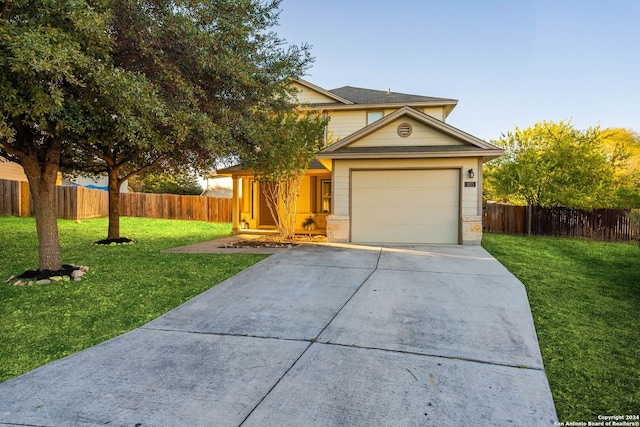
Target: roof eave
<point>485,154</point>
<point>449,105</point>
<point>325,92</point>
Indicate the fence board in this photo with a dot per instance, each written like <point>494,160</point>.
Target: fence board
<point>10,203</point>
<point>91,203</point>
<point>507,219</point>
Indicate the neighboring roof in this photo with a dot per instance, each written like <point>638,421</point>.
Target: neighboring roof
<point>473,147</point>
<point>369,96</point>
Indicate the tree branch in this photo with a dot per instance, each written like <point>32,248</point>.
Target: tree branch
<point>5,9</point>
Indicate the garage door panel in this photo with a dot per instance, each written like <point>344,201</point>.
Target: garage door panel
<point>405,206</point>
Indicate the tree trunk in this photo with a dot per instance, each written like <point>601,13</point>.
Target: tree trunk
<point>42,182</point>
<point>114,206</point>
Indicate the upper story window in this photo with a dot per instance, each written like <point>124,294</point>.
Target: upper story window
<point>373,116</point>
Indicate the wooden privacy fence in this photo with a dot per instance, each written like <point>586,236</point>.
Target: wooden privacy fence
<point>171,206</point>
<point>506,219</point>
<point>71,202</point>
<point>610,225</point>
<point>10,202</point>
<point>83,203</point>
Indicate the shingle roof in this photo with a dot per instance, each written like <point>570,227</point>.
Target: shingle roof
<point>369,96</point>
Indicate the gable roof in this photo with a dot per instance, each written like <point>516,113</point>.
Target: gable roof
<point>324,92</point>
<point>356,98</point>
<point>369,96</point>
<point>470,147</point>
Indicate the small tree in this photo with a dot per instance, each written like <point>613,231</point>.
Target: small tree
<point>285,145</point>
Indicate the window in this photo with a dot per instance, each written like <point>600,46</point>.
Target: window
<point>326,196</point>
<point>373,116</point>
<point>325,136</point>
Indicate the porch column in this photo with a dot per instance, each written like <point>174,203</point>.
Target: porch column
<point>235,205</point>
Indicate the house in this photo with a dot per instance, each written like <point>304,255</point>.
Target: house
<point>11,171</point>
<point>397,172</point>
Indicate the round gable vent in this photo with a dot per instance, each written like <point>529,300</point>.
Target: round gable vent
<point>404,130</point>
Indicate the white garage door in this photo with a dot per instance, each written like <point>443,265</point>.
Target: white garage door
<point>405,206</point>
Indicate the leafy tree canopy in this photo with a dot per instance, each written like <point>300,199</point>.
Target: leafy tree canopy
<point>164,183</point>
<point>622,146</point>
<point>209,65</point>
<point>553,164</point>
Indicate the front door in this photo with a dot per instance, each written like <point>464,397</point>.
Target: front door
<point>266,219</point>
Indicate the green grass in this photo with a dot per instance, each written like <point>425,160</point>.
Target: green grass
<point>126,287</point>
<point>585,300</point>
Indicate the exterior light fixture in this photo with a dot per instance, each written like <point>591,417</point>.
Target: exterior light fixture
<point>470,173</point>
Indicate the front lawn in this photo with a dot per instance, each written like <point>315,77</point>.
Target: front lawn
<point>585,300</point>
<point>126,287</point>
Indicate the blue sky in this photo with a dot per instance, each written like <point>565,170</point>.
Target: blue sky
<point>507,62</point>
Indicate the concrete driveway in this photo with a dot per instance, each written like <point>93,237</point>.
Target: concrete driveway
<point>317,335</point>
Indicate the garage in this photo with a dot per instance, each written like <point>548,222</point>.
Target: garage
<point>405,206</point>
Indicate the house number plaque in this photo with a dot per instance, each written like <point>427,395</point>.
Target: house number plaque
<point>470,184</point>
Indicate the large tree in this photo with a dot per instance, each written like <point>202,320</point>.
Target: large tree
<point>213,64</point>
<point>552,164</point>
<point>51,53</point>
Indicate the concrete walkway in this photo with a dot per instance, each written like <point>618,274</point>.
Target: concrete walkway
<point>317,335</point>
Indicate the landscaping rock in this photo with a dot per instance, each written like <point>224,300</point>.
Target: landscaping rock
<point>77,274</point>
<point>67,273</point>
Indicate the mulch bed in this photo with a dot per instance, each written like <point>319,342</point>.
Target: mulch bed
<point>67,273</point>
<point>118,241</point>
<point>275,242</point>
<point>66,270</point>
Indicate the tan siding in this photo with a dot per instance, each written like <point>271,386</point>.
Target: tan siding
<point>344,123</point>
<point>308,96</point>
<point>421,135</point>
<point>435,112</point>
<point>11,171</point>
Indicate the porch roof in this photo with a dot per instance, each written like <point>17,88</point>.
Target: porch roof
<point>240,170</point>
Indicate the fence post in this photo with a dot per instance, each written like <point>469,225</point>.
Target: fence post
<point>24,198</point>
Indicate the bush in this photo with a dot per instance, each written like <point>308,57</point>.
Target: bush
<point>162,183</point>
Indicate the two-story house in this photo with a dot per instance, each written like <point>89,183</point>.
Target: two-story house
<point>397,172</point>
